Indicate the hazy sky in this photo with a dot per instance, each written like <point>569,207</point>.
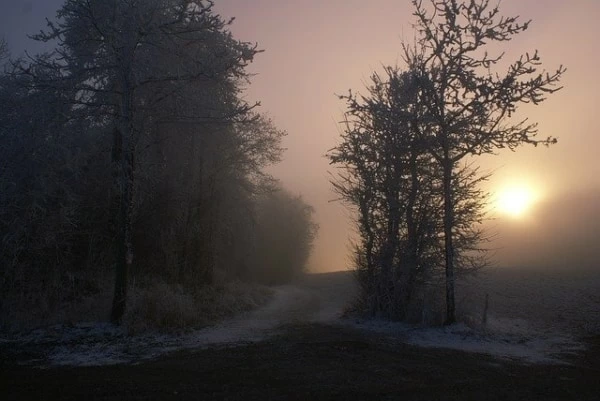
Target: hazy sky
<point>315,49</point>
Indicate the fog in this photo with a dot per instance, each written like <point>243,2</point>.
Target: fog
<point>315,49</point>
<point>156,220</point>
<point>562,233</point>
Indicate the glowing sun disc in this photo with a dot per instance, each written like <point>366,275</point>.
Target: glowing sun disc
<point>515,201</point>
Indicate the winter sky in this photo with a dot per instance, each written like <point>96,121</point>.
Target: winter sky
<point>315,49</point>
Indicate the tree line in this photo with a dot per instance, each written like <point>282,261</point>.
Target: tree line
<point>128,151</point>
<point>406,156</point>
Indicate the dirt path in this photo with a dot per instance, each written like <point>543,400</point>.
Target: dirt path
<point>318,298</point>
<point>313,299</point>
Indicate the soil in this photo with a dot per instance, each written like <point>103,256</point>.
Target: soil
<point>312,362</point>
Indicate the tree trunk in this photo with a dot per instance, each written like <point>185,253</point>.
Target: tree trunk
<point>389,274</point>
<point>126,181</point>
<point>124,245</point>
<point>411,258</point>
<point>190,236</point>
<point>392,240</point>
<point>369,282</point>
<point>448,167</point>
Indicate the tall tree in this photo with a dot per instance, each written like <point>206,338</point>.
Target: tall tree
<point>393,181</point>
<point>125,60</point>
<point>382,149</point>
<point>469,101</point>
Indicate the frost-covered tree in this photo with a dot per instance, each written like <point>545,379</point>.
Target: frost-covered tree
<point>138,68</point>
<point>50,178</point>
<point>392,181</point>
<point>469,102</point>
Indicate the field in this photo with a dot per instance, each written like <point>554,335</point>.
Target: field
<point>544,301</point>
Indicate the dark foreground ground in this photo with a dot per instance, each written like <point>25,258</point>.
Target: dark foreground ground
<point>312,362</point>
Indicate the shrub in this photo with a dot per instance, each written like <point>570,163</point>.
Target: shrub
<point>171,308</point>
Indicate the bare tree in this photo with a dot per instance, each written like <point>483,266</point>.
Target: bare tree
<point>384,167</point>
<point>469,102</point>
<point>390,178</point>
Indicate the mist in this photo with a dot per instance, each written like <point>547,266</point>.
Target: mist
<point>560,234</point>
<point>356,38</point>
<point>300,95</point>
<point>270,199</point>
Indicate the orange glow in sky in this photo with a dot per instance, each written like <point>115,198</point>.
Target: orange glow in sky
<point>315,49</point>
<point>515,202</point>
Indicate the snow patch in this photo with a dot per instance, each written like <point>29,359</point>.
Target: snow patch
<point>94,344</point>
<point>503,338</point>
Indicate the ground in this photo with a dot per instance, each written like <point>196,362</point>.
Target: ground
<point>310,355</point>
<point>313,362</point>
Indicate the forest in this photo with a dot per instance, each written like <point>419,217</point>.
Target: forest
<point>132,177</point>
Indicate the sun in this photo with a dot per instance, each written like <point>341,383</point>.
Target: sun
<point>515,201</point>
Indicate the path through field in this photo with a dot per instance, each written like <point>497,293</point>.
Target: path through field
<point>317,298</point>
<point>313,299</point>
<point>533,318</point>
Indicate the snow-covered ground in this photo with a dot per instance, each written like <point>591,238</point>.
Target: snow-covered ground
<point>92,344</point>
<point>533,316</point>
<point>520,344</point>
<point>519,326</point>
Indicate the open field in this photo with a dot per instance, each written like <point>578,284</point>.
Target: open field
<point>546,301</point>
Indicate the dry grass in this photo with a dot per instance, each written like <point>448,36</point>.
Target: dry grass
<point>155,306</point>
<point>170,308</point>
